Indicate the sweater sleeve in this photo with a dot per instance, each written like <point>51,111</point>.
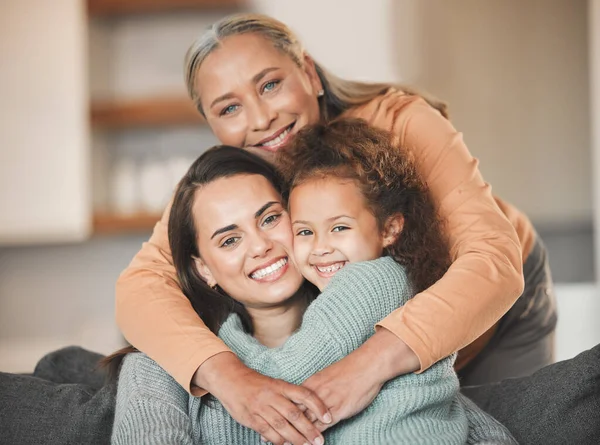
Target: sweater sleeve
<point>486,276</point>
<point>156,317</point>
<point>339,321</point>
<point>151,408</point>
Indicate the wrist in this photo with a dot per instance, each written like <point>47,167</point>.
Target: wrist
<point>215,370</point>
<point>391,355</point>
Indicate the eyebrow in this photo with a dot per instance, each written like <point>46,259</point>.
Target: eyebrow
<point>333,218</point>
<point>255,79</point>
<point>258,213</point>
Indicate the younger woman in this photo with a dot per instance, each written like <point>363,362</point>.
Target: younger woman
<point>369,203</point>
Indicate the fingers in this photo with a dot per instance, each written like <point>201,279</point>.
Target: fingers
<point>290,423</point>
<point>389,105</point>
<point>267,433</point>
<point>304,396</point>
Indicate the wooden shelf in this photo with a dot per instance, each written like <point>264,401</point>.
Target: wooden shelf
<point>107,223</point>
<point>124,7</point>
<point>145,113</point>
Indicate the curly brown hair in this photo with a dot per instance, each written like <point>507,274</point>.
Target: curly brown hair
<point>386,176</point>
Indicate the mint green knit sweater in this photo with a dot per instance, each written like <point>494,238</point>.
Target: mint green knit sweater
<point>414,409</point>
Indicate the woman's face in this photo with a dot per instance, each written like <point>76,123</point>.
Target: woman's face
<point>254,96</point>
<point>245,241</point>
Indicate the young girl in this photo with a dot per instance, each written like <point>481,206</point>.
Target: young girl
<point>352,200</point>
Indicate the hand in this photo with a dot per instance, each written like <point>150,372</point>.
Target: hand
<point>381,358</point>
<point>380,112</point>
<point>273,408</point>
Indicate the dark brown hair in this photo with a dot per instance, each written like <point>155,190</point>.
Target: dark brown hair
<point>212,305</point>
<point>386,176</point>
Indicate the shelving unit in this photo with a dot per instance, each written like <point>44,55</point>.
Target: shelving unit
<point>158,112</point>
<point>107,8</point>
<point>109,224</point>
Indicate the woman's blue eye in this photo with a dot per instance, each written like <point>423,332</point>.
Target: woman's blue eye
<point>304,232</point>
<point>270,86</point>
<point>228,110</point>
<point>230,241</point>
<point>339,228</point>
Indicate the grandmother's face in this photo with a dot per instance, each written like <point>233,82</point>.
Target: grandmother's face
<point>255,96</point>
<point>245,241</point>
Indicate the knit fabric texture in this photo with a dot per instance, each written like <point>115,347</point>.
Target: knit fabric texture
<point>415,408</point>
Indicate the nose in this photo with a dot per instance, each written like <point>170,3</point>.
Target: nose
<point>321,246</point>
<point>261,115</point>
<point>260,245</point>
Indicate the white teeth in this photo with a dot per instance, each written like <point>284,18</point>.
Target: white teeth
<point>331,268</point>
<point>278,139</point>
<point>261,273</point>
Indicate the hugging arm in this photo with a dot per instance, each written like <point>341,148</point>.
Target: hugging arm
<point>484,245</point>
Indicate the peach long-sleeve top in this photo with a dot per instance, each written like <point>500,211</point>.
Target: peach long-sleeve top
<point>489,241</point>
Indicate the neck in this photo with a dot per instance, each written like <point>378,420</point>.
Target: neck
<point>273,325</point>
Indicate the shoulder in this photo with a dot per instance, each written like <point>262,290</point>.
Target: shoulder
<point>142,375</point>
<point>409,117</point>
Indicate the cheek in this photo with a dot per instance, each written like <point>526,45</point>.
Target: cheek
<point>300,101</point>
<point>229,131</point>
<point>301,250</point>
<point>227,267</point>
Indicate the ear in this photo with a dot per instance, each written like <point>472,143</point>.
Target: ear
<point>392,229</point>
<point>311,72</point>
<point>204,271</point>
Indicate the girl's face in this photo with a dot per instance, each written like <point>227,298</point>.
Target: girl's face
<point>254,96</point>
<point>332,226</point>
<point>245,240</point>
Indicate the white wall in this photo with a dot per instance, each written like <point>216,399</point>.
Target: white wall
<point>516,77</point>
<point>44,134</point>
<point>594,54</point>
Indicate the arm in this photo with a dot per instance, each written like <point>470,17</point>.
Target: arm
<point>486,276</point>
<point>338,322</point>
<point>485,279</point>
<point>151,407</point>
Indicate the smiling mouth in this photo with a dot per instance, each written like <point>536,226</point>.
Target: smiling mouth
<point>330,269</point>
<point>276,142</point>
<point>271,272</point>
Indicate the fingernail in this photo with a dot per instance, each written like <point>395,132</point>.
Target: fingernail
<point>264,439</point>
<point>319,441</point>
<point>327,418</point>
<point>286,443</point>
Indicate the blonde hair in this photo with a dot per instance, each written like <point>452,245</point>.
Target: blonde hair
<point>339,94</point>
